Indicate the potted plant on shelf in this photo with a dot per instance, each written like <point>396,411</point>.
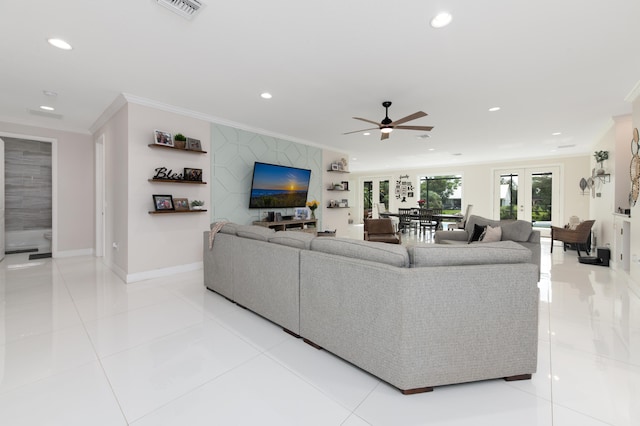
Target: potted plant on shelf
<point>180,141</point>
<point>600,156</point>
<point>421,203</point>
<point>197,205</point>
<point>313,205</point>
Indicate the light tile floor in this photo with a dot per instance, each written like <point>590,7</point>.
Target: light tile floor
<point>79,347</point>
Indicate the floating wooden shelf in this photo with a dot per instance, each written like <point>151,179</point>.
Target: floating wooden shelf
<point>153,145</point>
<point>339,171</point>
<point>196,182</point>
<point>176,211</point>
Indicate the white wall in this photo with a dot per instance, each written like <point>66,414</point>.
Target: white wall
<point>478,184</point>
<point>115,131</point>
<point>75,186</point>
<point>610,196</point>
<point>335,219</point>
<point>161,242</point>
<point>635,211</point>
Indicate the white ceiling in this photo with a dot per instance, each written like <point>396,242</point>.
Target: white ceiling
<point>553,66</point>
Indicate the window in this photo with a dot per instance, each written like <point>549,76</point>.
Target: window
<point>442,192</point>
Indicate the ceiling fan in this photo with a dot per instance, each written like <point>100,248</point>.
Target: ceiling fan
<point>386,126</point>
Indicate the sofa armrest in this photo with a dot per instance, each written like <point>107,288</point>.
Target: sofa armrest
<point>451,235</point>
<point>534,237</point>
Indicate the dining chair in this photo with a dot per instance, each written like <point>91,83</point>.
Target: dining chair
<point>460,224</point>
<point>426,221</point>
<point>406,220</point>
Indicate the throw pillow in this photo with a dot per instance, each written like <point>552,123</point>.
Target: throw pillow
<point>491,234</point>
<point>477,232</point>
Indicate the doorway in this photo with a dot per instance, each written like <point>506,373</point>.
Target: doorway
<point>531,194</point>
<point>30,205</point>
<point>375,196</point>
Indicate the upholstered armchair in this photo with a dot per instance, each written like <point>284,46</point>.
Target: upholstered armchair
<point>578,236</point>
<point>381,230</point>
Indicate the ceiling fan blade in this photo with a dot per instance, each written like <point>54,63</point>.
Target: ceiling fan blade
<point>384,136</point>
<point>409,117</point>
<point>363,130</point>
<point>368,121</point>
<point>425,128</point>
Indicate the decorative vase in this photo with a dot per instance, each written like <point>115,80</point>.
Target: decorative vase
<point>313,214</point>
<point>179,144</point>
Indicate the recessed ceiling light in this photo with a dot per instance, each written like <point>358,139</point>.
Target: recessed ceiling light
<point>457,154</point>
<point>59,43</point>
<point>494,109</point>
<point>266,95</point>
<point>47,108</point>
<point>432,149</point>
<point>354,159</point>
<point>441,20</point>
<point>556,134</point>
<point>49,93</point>
<point>366,133</point>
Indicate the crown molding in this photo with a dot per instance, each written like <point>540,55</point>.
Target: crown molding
<point>138,100</point>
<point>115,106</point>
<point>634,93</point>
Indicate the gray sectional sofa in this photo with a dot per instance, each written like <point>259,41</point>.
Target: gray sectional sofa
<point>416,317</point>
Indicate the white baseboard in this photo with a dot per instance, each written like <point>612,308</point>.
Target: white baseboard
<point>164,272</point>
<point>73,253</point>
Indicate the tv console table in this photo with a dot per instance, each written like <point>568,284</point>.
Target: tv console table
<point>305,225</point>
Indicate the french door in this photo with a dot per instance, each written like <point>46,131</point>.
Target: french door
<point>375,192</point>
<point>531,194</point>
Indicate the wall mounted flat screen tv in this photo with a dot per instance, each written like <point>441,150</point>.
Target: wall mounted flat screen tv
<point>276,186</point>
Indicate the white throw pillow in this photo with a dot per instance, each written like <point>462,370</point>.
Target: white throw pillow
<point>491,234</point>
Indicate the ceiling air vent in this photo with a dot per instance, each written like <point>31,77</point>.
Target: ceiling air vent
<point>185,8</point>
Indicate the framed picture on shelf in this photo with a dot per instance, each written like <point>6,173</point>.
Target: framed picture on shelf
<point>334,166</point>
<point>345,185</point>
<point>302,213</point>
<point>162,138</point>
<point>194,144</point>
<point>181,204</point>
<point>163,202</point>
<point>194,175</point>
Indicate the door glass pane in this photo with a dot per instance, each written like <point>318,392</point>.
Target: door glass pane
<point>509,196</point>
<point>384,193</point>
<point>541,185</point>
<point>367,201</point>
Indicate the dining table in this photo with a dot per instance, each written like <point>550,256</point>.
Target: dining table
<point>438,217</point>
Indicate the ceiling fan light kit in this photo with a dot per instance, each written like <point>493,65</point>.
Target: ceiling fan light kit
<point>387,125</point>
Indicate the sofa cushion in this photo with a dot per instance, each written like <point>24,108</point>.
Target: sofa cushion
<point>297,239</point>
<point>491,234</point>
<point>520,230</point>
<point>390,254</point>
<point>478,230</point>
<point>228,228</point>
<point>255,232</point>
<point>468,254</point>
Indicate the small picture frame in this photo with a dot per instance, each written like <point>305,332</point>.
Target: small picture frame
<point>181,204</point>
<point>334,166</point>
<point>193,175</point>
<point>302,213</point>
<point>345,185</point>
<point>163,138</point>
<point>194,144</point>
<point>163,202</point>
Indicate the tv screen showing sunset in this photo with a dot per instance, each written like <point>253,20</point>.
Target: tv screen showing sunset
<point>277,186</point>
